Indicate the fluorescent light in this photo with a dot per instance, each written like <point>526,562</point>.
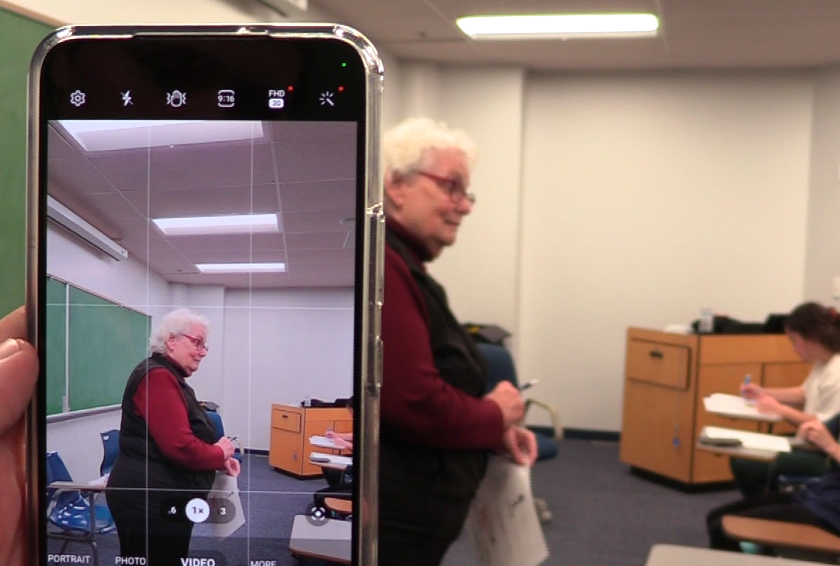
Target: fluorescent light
<point>65,217</point>
<point>227,224</point>
<point>559,26</point>
<point>111,135</point>
<point>278,267</point>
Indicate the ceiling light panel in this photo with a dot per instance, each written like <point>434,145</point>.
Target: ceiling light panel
<point>229,224</point>
<point>207,268</point>
<point>559,26</point>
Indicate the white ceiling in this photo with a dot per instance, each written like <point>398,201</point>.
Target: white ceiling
<point>694,34</point>
<point>303,171</point>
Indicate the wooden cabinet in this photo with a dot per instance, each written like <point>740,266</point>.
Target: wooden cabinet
<point>291,428</point>
<point>667,376</point>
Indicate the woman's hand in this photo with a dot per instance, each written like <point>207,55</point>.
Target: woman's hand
<point>18,373</point>
<point>751,390</point>
<point>510,401</point>
<point>768,405</point>
<point>227,446</point>
<point>232,467</point>
<point>817,434</point>
<point>520,444</point>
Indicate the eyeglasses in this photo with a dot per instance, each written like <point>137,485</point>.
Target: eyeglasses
<point>454,187</point>
<point>197,342</point>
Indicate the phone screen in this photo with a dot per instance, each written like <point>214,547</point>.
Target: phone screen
<point>206,284</point>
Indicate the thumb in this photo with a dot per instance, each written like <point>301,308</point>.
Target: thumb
<point>18,374</point>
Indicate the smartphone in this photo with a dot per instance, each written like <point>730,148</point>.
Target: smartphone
<point>204,284</point>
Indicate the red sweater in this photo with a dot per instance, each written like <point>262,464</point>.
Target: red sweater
<point>166,415</point>
<point>415,401</point>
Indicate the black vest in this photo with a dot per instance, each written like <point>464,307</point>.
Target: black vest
<point>454,473</point>
<point>137,447</point>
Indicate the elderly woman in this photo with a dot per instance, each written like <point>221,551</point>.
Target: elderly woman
<point>437,423</point>
<point>167,446</point>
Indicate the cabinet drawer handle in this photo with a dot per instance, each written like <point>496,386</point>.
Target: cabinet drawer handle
<point>656,354</point>
<point>285,416</point>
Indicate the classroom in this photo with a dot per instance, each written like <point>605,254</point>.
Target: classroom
<point>607,199</point>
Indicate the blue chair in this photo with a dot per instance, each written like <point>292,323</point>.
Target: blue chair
<point>110,449</point>
<point>72,510</point>
<point>501,368</point>
<point>219,427</point>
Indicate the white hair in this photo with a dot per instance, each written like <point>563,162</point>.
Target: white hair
<point>174,322</point>
<point>406,146</point>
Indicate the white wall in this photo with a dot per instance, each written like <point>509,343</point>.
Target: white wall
<point>281,347</point>
<point>620,199</point>
<point>823,255</point>
<point>645,198</point>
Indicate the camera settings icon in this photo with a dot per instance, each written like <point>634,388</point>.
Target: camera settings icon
<point>77,98</point>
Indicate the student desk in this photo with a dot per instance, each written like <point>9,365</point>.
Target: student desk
<point>666,378</point>
<point>326,540</point>
<point>674,555</point>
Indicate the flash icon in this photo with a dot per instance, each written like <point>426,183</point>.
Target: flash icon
<point>126,98</point>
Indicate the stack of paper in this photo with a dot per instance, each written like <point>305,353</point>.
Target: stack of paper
<point>323,442</point>
<point>735,406</point>
<point>753,440</point>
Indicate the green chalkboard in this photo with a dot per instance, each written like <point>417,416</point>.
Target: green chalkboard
<point>105,341</point>
<point>92,346</point>
<point>56,340</point>
<point>19,36</point>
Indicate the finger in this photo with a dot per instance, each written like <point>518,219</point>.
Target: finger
<point>13,325</point>
<point>18,373</point>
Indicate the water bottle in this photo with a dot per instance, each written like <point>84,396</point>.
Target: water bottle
<point>707,321</point>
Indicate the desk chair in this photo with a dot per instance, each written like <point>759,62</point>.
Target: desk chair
<point>500,365</point>
<point>219,427</point>
<point>72,510</point>
<point>792,540</point>
<point>110,449</point>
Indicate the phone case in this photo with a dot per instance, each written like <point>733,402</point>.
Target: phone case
<point>369,276</point>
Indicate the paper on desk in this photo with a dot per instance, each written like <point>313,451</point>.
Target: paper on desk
<point>502,522</point>
<point>319,457</point>
<point>754,440</point>
<point>323,442</point>
<point>735,406</point>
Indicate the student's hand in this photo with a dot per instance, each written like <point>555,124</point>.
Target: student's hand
<point>751,390</point>
<point>227,446</point>
<point>768,405</point>
<point>343,441</point>
<point>232,467</point>
<point>815,432</point>
<point>520,444</point>
<point>18,373</point>
<point>509,400</point>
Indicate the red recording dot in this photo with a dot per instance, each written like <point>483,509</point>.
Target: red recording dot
<point>291,88</point>
<point>341,89</point>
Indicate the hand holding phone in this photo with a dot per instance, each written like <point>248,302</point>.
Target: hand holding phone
<point>18,372</point>
<point>205,213</point>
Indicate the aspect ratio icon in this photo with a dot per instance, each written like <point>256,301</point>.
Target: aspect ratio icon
<point>226,98</point>
<point>276,99</point>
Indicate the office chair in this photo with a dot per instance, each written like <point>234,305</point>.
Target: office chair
<point>110,449</point>
<point>72,510</point>
<point>500,365</point>
<point>219,427</point>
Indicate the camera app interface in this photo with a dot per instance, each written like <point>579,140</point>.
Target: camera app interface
<point>200,318</point>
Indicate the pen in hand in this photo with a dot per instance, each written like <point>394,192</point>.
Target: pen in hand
<point>528,384</point>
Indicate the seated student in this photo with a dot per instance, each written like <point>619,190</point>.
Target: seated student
<point>814,331</point>
<point>818,503</point>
